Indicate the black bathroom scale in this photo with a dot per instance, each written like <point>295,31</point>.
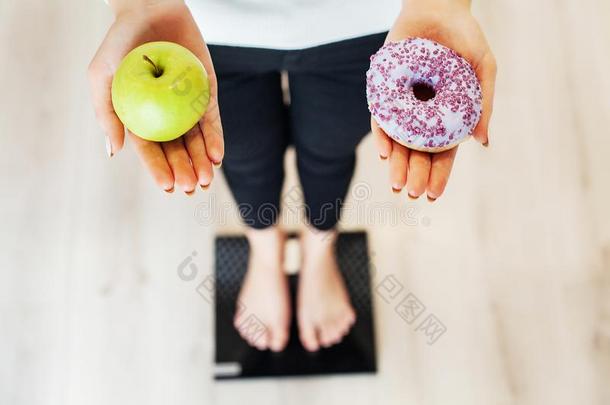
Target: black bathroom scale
<point>234,358</point>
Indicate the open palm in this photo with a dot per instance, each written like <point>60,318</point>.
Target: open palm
<point>455,27</point>
<point>186,161</point>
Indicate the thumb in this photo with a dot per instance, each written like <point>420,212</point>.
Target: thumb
<point>100,74</point>
<point>383,142</point>
<point>486,73</point>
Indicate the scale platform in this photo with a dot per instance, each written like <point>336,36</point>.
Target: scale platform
<point>234,358</point>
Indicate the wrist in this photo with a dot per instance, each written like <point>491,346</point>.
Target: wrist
<point>460,5</point>
<point>121,7</point>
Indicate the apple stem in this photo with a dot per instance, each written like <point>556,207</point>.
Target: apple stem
<point>157,70</point>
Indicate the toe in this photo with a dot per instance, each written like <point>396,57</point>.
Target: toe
<point>261,341</point>
<point>236,322</point>
<point>308,338</point>
<point>329,334</point>
<point>347,323</point>
<point>351,317</point>
<point>335,337</point>
<point>278,339</point>
<point>345,327</point>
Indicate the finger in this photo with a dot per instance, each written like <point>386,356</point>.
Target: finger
<point>180,163</point>
<point>153,158</point>
<point>210,123</point>
<point>100,73</point>
<point>419,170</point>
<point>486,72</point>
<point>211,127</point>
<point>100,82</point>
<point>439,173</point>
<point>384,143</point>
<point>399,166</point>
<point>193,140</point>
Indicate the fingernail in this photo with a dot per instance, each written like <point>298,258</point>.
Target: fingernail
<point>395,190</point>
<point>217,164</point>
<point>412,197</point>
<point>382,157</point>
<point>108,146</point>
<point>431,199</point>
<point>486,144</point>
<point>189,193</point>
<point>204,186</point>
<point>169,191</point>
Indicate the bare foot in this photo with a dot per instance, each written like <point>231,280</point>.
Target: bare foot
<point>263,315</point>
<point>324,311</point>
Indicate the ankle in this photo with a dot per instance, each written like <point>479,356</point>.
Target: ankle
<point>267,247</point>
<point>318,247</point>
<point>315,239</point>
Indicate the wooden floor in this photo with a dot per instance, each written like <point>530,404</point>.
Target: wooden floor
<point>514,260</point>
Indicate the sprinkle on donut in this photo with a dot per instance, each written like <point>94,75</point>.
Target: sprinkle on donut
<point>423,94</point>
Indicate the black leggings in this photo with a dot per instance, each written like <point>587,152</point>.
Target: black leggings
<point>325,120</point>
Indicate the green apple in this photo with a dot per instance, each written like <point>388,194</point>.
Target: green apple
<point>160,91</point>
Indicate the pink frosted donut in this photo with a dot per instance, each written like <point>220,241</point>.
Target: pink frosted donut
<point>423,94</point>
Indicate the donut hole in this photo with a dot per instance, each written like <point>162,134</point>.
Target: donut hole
<point>423,91</point>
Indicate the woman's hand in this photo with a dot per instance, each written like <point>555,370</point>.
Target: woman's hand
<point>186,161</point>
<point>450,23</point>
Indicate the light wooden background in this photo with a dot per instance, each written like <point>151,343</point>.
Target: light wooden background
<point>514,260</point>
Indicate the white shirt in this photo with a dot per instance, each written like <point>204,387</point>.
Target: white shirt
<point>290,24</point>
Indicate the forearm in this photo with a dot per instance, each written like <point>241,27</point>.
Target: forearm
<point>122,6</point>
<point>436,3</point>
